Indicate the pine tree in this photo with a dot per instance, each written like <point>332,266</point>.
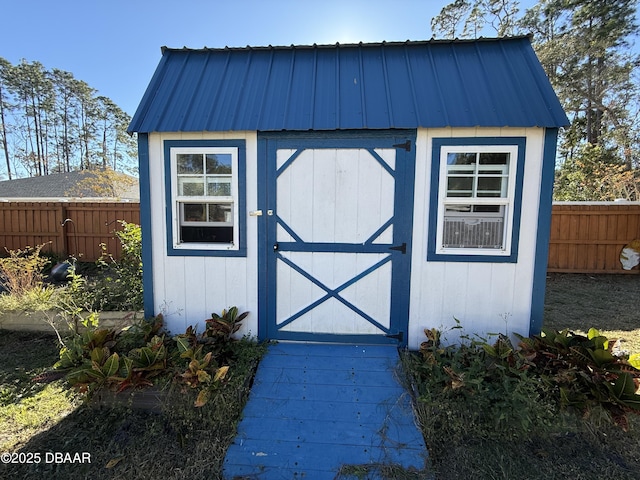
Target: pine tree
<point>583,46</point>
<point>51,122</point>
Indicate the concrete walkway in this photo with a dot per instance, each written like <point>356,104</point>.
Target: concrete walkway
<point>314,408</point>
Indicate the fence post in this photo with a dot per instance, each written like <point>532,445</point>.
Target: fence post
<point>62,211</point>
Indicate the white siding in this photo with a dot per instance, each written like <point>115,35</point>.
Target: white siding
<point>485,297</point>
<point>187,289</point>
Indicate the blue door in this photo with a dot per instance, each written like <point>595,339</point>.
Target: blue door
<point>335,236</point>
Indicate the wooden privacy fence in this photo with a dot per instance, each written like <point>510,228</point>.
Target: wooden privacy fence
<point>67,228</point>
<point>585,237</point>
<point>588,237</point>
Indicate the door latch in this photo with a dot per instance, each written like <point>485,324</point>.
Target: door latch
<point>398,336</point>
<point>400,248</point>
<point>405,146</point>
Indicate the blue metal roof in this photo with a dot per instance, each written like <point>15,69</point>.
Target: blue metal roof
<point>459,83</point>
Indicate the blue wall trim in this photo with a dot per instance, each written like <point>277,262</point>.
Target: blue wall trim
<point>336,139</point>
<point>242,195</point>
<point>264,288</point>
<point>145,223</point>
<point>544,230</point>
<point>438,143</point>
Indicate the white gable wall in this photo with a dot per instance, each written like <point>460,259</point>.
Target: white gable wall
<point>485,297</point>
<point>187,289</point>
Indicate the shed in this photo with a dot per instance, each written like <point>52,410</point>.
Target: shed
<point>349,193</point>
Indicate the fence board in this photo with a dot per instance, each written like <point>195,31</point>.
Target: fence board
<point>588,237</point>
<point>585,237</point>
<point>88,224</point>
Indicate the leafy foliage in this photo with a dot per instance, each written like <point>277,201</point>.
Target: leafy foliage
<point>593,174</point>
<point>584,372</point>
<point>110,285</point>
<point>134,357</point>
<point>468,389</point>
<point>186,442</point>
<point>103,182</point>
<point>204,353</point>
<point>516,390</point>
<point>219,330</point>
<point>473,16</point>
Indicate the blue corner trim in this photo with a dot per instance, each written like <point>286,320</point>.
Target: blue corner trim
<point>145,224</point>
<point>438,143</point>
<point>544,231</point>
<point>242,195</point>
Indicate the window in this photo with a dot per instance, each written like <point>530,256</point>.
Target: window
<point>477,198</point>
<point>206,179</point>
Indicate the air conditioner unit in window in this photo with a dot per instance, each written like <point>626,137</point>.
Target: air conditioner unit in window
<point>473,232</point>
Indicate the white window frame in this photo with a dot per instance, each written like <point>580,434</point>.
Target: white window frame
<point>506,201</point>
<point>179,200</point>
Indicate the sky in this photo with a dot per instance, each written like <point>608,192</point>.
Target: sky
<point>114,45</point>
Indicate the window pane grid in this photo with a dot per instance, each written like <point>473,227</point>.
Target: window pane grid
<point>476,175</point>
<point>205,191</point>
<point>476,200</point>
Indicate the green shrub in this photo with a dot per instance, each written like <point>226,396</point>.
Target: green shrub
<point>584,372</point>
<point>464,391</point>
<point>483,389</point>
<point>117,284</point>
<point>21,275</point>
<point>134,357</point>
<point>22,270</point>
<point>36,299</point>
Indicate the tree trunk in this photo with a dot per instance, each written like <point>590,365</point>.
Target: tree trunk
<point>4,135</point>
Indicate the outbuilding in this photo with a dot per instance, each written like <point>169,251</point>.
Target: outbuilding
<point>349,193</point>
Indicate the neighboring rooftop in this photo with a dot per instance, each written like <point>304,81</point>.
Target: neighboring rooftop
<point>73,185</point>
<point>458,83</point>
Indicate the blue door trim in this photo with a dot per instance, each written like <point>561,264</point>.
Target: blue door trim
<point>403,173</point>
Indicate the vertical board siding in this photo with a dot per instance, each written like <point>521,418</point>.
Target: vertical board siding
<point>91,224</point>
<point>187,289</point>
<point>485,297</point>
<point>588,237</point>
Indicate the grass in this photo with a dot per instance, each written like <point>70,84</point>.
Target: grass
<point>180,441</point>
<point>174,441</point>
<point>382,471</point>
<point>26,407</point>
<point>609,303</point>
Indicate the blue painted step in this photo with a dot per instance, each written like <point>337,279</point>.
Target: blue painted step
<point>316,407</point>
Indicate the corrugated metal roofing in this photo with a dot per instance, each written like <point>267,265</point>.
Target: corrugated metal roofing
<point>485,82</point>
